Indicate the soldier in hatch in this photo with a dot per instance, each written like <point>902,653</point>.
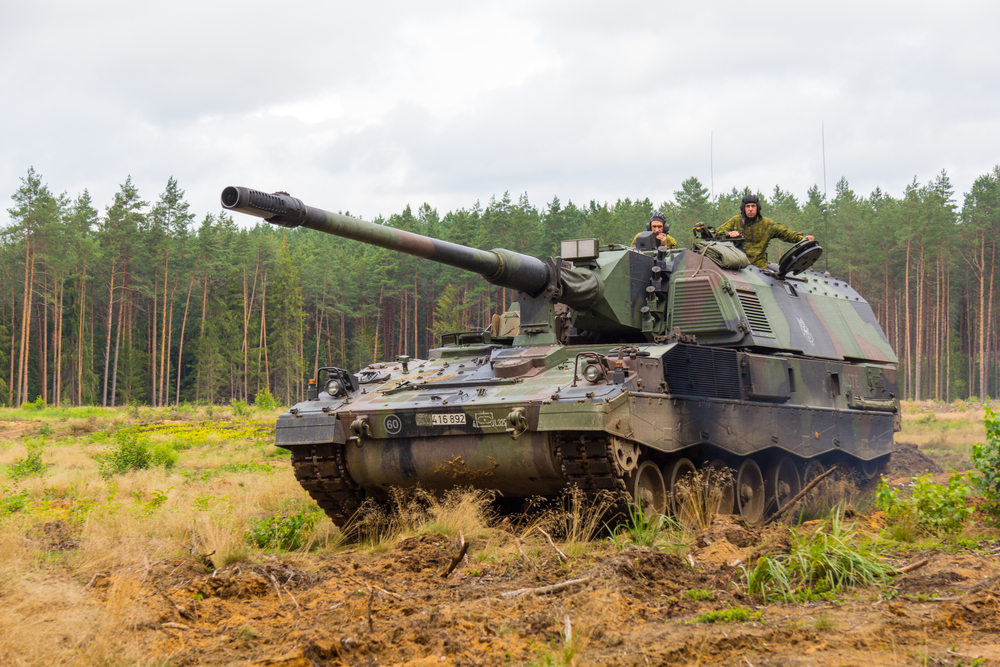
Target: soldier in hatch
<point>757,230</point>
<point>655,225</point>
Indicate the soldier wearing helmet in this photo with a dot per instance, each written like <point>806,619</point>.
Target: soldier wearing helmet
<point>658,225</point>
<point>757,230</point>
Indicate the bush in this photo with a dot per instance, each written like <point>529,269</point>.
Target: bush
<point>986,458</point>
<point>130,451</point>
<point>163,455</point>
<point>30,465</point>
<point>240,408</point>
<point>264,400</point>
<point>12,501</point>
<point>935,509</point>
<point>37,404</point>
<point>284,533</point>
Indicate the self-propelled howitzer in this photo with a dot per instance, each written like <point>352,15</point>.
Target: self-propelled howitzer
<point>658,363</point>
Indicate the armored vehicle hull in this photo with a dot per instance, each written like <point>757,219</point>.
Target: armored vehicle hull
<point>664,362</point>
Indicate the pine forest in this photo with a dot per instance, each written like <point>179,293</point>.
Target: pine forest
<point>145,303</point>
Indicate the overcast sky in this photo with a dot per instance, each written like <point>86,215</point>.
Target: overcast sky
<point>370,106</point>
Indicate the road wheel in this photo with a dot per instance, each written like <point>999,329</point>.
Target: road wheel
<point>648,490</point>
<point>874,468</point>
<point>812,470</point>
<point>750,491</point>
<point>783,482</point>
<point>681,470</point>
<point>718,481</point>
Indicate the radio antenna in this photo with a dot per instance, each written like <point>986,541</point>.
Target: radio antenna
<point>826,226</point>
<point>711,168</point>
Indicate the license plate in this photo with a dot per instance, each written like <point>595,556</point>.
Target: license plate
<point>450,419</point>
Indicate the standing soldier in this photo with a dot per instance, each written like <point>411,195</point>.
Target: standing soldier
<point>757,230</point>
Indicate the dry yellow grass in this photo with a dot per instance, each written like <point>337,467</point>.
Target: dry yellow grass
<point>67,531</point>
<point>946,433</point>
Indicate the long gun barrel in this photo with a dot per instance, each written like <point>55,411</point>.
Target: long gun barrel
<point>501,267</point>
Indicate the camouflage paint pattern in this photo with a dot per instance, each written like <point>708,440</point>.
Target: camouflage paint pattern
<point>686,358</point>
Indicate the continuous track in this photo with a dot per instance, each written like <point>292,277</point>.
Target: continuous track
<point>321,471</point>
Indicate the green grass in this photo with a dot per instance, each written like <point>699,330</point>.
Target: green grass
<point>819,565</point>
<point>699,594</point>
<point>729,615</point>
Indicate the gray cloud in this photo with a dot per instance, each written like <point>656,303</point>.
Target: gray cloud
<point>369,108</point>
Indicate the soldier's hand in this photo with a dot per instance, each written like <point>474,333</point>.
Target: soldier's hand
<point>734,234</point>
<point>810,238</point>
<point>661,237</point>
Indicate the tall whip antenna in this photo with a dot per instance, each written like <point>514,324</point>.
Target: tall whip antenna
<point>711,167</point>
<point>826,226</point>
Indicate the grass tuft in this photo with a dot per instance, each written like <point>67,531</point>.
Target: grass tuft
<point>820,564</point>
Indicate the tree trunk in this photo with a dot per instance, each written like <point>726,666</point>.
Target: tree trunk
<point>918,362</point>
<point>161,387</point>
<point>262,339</point>
<point>170,337</point>
<point>153,340</point>
<point>118,340</point>
<point>29,276</point>
<point>180,352</point>
<point>906,317</point>
<point>416,340</point>
<point>989,318</point>
<point>378,316</point>
<point>43,342</point>
<point>201,335</point>
<point>982,319</point>
<point>57,390</point>
<point>319,329</point>
<point>80,341</point>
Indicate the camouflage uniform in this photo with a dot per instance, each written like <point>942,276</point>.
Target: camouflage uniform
<point>757,234</point>
<point>670,243</point>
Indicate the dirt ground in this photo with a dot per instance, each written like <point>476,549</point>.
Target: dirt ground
<point>625,608</point>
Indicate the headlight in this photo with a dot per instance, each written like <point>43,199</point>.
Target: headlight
<point>592,373</point>
<point>334,387</point>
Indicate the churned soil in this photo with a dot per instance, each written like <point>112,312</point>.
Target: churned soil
<point>517,601</point>
<point>633,607</point>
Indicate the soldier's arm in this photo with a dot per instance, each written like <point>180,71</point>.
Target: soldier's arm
<point>633,239</point>
<point>784,233</point>
<point>670,243</point>
<point>726,227</point>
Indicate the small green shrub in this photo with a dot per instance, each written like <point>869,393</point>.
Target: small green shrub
<point>264,400</point>
<point>129,451</point>
<point>240,408</point>
<point>30,465</point>
<point>730,615</point>
<point>37,404</point>
<point>163,455</point>
<point>149,506</point>
<point>986,458</point>
<point>281,532</point>
<point>933,508</point>
<point>12,501</point>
